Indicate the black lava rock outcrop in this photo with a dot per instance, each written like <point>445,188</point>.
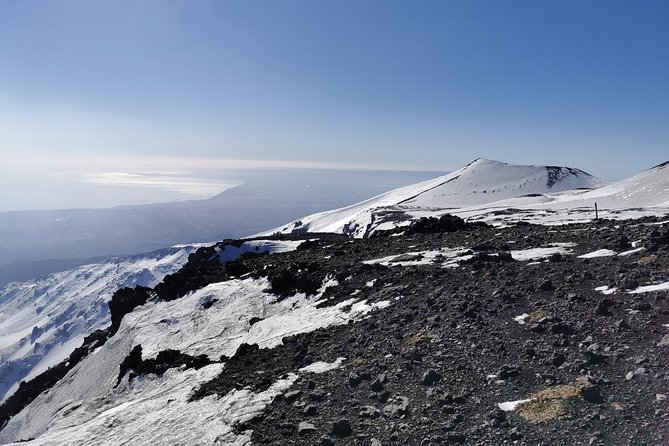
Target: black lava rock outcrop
<point>164,360</point>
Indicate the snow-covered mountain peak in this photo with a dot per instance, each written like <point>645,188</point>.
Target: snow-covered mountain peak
<point>478,183</point>
<point>496,175</point>
<point>485,181</point>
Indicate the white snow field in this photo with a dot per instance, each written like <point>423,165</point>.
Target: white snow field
<point>500,193</point>
<point>155,410</point>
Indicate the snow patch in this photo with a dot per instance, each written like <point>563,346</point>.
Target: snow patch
<point>630,252</point>
<point>510,406</point>
<point>606,290</point>
<point>322,367</point>
<point>664,286</point>
<point>598,253</point>
<point>329,282</point>
<point>445,256</point>
<point>541,253</point>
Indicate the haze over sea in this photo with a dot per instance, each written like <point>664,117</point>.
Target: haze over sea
<point>64,228</point>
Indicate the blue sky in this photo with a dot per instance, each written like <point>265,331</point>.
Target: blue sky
<point>412,84</point>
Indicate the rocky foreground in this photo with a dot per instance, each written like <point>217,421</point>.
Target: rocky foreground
<point>486,336</point>
<point>433,368</point>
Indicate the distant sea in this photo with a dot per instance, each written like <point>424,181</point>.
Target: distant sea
<point>35,242</point>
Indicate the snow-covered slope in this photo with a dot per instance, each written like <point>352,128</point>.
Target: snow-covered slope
<point>43,320</point>
<point>82,407</point>
<point>649,188</point>
<point>478,183</point>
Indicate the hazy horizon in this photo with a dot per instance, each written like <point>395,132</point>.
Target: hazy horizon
<point>97,189</point>
<point>265,200</point>
<point>128,181</point>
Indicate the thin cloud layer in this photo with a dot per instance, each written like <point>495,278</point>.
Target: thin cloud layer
<point>51,180</point>
<point>174,182</point>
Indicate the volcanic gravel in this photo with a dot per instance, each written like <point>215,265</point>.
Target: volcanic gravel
<point>433,366</point>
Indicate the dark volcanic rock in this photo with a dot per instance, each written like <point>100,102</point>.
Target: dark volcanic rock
<point>131,362</point>
<point>546,285</point>
<point>124,301</point>
<point>291,280</point>
<point>342,428</point>
<point>432,225</point>
<point>458,323</point>
<point>563,328</point>
<point>203,267</point>
<point>369,412</point>
<point>165,360</point>
<point>603,307</point>
<point>455,438</point>
<point>354,380</point>
<point>506,372</point>
<point>430,378</point>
